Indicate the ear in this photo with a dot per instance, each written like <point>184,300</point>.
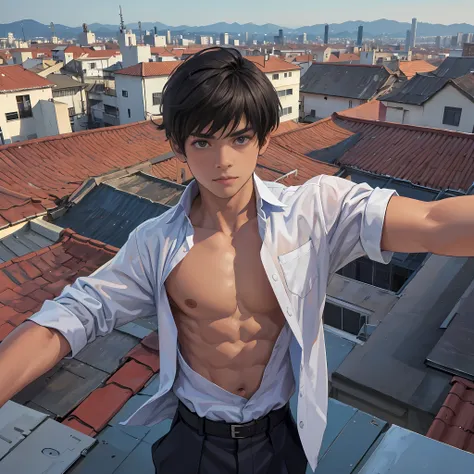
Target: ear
<point>264,147</point>
<point>181,156</point>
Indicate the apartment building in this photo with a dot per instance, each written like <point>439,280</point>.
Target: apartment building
<point>27,108</point>
<point>285,77</point>
<point>443,98</point>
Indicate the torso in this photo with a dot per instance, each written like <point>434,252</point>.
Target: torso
<point>227,316</point>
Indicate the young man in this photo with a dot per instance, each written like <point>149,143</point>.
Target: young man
<point>236,274</point>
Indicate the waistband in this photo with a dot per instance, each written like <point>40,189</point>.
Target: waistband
<point>232,430</point>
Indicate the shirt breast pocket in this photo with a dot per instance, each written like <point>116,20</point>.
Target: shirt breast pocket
<point>299,268</point>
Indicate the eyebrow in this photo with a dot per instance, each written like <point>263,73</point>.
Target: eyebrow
<point>212,137</point>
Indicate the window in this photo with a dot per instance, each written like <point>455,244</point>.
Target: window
<point>286,111</point>
<point>281,93</point>
<point>71,111</point>
<point>452,116</point>
<point>24,106</point>
<point>157,98</point>
<point>124,93</point>
<point>350,104</point>
<point>276,76</point>
<point>129,113</point>
<point>343,318</point>
<point>390,277</point>
<point>11,116</point>
<point>289,91</point>
<point>32,136</point>
<point>290,74</point>
<point>313,113</point>
<point>286,74</point>
<point>93,65</point>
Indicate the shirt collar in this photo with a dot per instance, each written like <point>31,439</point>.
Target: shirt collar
<point>263,194</point>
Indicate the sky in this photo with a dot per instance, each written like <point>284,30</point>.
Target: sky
<point>204,12</point>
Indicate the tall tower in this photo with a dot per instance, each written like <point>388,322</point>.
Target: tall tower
<point>413,33</point>
<point>326,34</point>
<point>360,35</point>
<point>408,40</point>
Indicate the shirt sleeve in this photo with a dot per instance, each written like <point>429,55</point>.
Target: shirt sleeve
<point>353,217</point>
<point>118,292</point>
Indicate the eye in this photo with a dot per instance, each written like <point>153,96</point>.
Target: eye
<point>242,140</point>
<point>200,144</point>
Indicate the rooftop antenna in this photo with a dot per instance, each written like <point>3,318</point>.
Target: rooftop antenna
<point>140,30</point>
<point>122,24</point>
<point>23,31</point>
<point>51,25</point>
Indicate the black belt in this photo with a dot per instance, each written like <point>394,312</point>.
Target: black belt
<point>228,430</point>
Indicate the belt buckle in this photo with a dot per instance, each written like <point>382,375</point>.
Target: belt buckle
<point>233,430</point>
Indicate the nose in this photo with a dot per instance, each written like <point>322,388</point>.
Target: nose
<point>223,157</point>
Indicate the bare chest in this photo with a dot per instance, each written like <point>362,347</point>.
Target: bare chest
<point>222,276</point>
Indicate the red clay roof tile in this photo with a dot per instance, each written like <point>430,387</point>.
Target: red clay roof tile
<point>51,168</point>
<point>102,405</point>
<point>75,424</point>
<point>15,78</point>
<point>153,69</point>
<point>27,282</point>
<point>272,64</point>
<point>152,341</point>
<point>454,423</point>
<point>145,356</point>
<point>5,330</point>
<point>438,159</point>
<point>15,207</point>
<point>131,375</point>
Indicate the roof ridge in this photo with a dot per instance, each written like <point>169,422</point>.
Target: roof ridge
<point>68,135</point>
<point>403,126</point>
<point>304,127</point>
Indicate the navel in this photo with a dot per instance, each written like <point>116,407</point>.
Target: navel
<point>241,392</point>
<point>190,303</point>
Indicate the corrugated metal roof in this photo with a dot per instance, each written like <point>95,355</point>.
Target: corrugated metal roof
<point>451,68</point>
<point>62,81</point>
<point>345,80</point>
<point>158,190</point>
<point>417,91</point>
<point>109,215</point>
<point>27,237</point>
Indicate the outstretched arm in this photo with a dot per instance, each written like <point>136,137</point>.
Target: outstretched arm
<point>442,227</point>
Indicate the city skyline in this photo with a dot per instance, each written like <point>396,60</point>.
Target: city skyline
<point>186,12</point>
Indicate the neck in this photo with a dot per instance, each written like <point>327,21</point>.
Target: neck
<point>226,215</point>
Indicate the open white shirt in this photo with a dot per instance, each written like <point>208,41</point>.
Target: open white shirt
<point>308,232</point>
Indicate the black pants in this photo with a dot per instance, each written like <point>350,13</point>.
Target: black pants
<point>184,451</point>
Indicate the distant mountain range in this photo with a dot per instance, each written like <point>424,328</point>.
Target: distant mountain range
<point>389,28</point>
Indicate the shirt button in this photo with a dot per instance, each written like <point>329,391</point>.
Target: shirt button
<point>301,424</point>
<point>275,277</point>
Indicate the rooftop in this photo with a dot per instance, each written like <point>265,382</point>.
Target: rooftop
<point>272,64</point>
<point>62,81</point>
<point>346,80</point>
<point>410,68</point>
<point>153,69</point>
<point>423,86</point>
<point>17,78</point>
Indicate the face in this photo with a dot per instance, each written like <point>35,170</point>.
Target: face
<point>225,162</point>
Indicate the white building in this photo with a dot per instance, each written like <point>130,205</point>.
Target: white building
<point>86,37</point>
<point>285,77</point>
<point>428,101</point>
<point>139,90</point>
<point>27,108</point>
<point>68,91</point>
<point>89,67</point>
<point>332,87</point>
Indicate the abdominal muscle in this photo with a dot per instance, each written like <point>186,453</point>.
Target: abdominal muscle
<point>226,313</point>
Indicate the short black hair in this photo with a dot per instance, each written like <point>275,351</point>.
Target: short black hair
<point>218,86</point>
